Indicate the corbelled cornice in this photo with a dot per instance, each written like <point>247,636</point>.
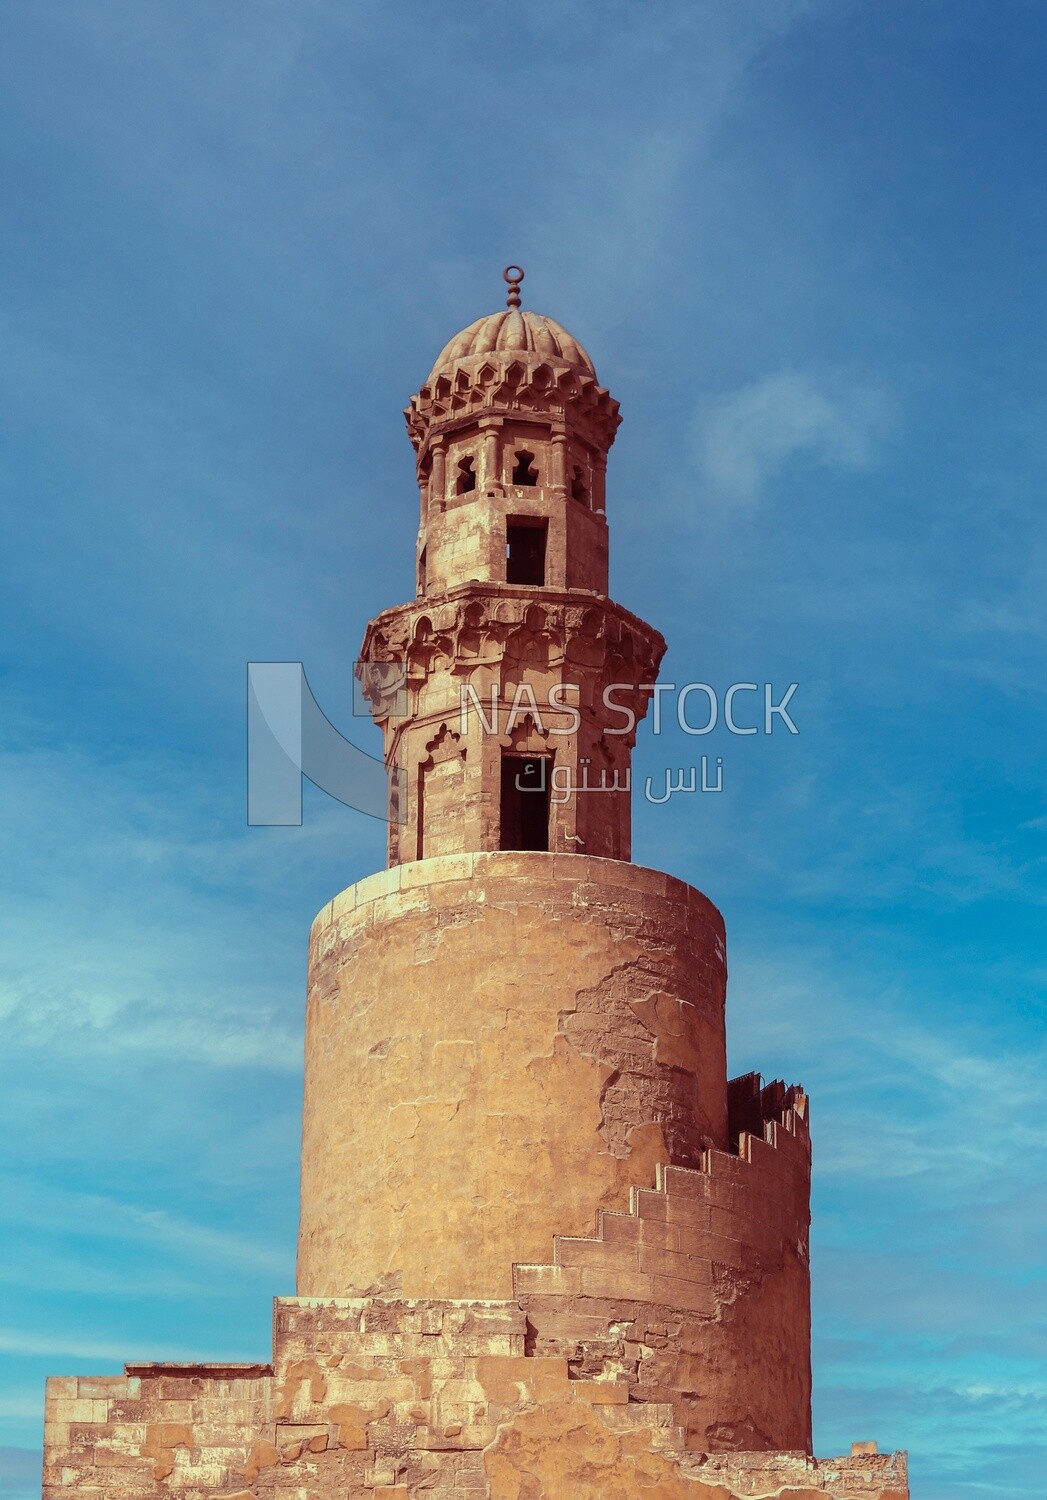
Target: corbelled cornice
<point>506,384</point>
<point>478,625</point>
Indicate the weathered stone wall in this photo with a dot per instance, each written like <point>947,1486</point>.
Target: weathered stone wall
<point>498,1046</point>
<point>155,1430</point>
<point>699,1295</point>
<point>382,1400</point>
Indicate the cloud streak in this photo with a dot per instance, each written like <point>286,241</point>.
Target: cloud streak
<point>745,440</point>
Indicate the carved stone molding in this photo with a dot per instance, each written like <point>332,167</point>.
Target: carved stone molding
<point>500,386</point>
<point>501,627</point>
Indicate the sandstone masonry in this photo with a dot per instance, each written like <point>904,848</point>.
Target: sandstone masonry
<point>548,1250</point>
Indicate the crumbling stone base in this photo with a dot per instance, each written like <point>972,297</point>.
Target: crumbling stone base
<point>373,1399</point>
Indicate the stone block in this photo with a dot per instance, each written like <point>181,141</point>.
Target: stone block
<point>618,1255</point>
<point>625,1286</point>
<point>685,1183</point>
<point>101,1387</point>
<point>544,1281</point>
<point>601,1392</point>
<point>689,1212</point>
<point>616,1228</point>
<point>691,1295</point>
<point>61,1388</point>
<point>683,1267</point>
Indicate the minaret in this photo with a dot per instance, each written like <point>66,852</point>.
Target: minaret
<point>521,677</point>
<point>547,1250</point>
<point>513,1030</point>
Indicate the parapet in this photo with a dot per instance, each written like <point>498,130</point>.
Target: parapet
<point>698,1291</point>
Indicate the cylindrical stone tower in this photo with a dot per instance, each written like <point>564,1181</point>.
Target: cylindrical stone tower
<point>516,1080</point>
<point>548,1250</point>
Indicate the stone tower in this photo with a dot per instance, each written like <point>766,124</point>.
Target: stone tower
<point>547,1247</point>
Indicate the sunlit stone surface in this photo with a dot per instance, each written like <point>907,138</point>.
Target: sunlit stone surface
<point>548,1251</point>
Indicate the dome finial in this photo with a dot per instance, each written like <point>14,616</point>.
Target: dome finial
<point>513,275</point>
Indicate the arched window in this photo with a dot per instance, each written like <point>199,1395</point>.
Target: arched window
<point>466,477</point>
<point>524,473</point>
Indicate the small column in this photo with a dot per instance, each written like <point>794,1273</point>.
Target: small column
<point>490,426</point>
<point>559,465</point>
<point>600,485</point>
<point>437,476</point>
<point>423,497</point>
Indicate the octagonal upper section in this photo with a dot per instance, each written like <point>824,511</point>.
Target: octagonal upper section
<point>515,331</point>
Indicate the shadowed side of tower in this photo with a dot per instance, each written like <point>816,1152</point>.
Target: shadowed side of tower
<point>547,1248</point>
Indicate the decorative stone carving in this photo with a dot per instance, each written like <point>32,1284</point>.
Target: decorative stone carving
<point>511,385</point>
<point>547,1250</point>
<point>477,626</point>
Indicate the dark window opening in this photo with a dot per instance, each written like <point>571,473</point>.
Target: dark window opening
<point>578,489</point>
<point>525,802</point>
<point>523,472</point>
<point>421,570</point>
<point>466,477</point>
<point>525,551</point>
<point>419,814</point>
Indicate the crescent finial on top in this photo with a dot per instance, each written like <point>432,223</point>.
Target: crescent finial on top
<point>513,275</point>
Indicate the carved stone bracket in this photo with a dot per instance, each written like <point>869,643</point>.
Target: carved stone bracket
<point>501,628</point>
<point>496,385</point>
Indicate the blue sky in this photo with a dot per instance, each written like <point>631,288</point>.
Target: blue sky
<point>804,244</point>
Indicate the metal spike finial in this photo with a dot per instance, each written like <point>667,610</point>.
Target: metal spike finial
<point>513,275</point>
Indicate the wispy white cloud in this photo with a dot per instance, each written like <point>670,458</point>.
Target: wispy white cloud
<point>151,885</point>
<point>110,1218</point>
<point>963,1111</point>
<point>743,440</point>
<point>75,1017</point>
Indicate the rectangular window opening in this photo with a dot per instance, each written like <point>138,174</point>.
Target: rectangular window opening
<point>525,802</point>
<point>525,550</point>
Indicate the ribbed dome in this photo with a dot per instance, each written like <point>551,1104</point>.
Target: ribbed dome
<point>514,331</point>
